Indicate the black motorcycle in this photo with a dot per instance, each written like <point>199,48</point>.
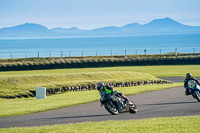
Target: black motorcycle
<point>115,105</point>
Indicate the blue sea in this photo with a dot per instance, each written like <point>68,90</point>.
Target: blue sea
<point>92,46</point>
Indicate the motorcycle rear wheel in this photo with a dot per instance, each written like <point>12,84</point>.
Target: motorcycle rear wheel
<point>111,108</point>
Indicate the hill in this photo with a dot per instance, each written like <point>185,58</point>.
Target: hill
<point>156,26</point>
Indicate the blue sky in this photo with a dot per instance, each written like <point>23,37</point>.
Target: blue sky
<point>90,14</point>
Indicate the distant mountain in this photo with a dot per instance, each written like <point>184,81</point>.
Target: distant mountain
<point>28,27</point>
<point>26,30</point>
<point>112,30</point>
<point>65,30</point>
<point>133,25</point>
<point>161,26</point>
<point>164,23</point>
<point>157,26</point>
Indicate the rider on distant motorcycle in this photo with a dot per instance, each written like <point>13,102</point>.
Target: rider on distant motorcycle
<point>110,90</point>
<point>189,77</point>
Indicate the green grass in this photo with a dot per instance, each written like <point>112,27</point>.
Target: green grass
<point>20,82</point>
<point>12,85</point>
<point>158,71</point>
<point>21,106</point>
<point>187,124</point>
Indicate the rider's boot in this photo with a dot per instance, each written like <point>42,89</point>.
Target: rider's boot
<point>187,92</point>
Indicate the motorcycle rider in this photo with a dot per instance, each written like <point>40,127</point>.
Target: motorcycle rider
<point>189,77</point>
<point>110,90</point>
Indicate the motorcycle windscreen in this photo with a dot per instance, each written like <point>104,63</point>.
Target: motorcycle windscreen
<point>191,84</point>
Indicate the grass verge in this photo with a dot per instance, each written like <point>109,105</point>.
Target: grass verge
<point>158,125</point>
<point>22,84</point>
<point>22,106</point>
<point>158,70</point>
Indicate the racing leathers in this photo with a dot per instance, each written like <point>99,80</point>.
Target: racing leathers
<point>110,90</point>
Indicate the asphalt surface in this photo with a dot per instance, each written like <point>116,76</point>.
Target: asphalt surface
<point>162,103</point>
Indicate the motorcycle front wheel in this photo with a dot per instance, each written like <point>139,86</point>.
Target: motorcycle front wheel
<point>132,108</point>
<point>197,96</point>
<point>111,108</point>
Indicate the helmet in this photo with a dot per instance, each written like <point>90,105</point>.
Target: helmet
<point>100,84</point>
<point>188,75</point>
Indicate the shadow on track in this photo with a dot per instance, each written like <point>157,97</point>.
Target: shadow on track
<point>81,116</point>
<point>167,103</point>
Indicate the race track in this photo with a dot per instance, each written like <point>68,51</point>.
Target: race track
<point>162,103</point>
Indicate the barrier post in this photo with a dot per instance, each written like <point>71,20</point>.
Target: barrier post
<point>145,52</point>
